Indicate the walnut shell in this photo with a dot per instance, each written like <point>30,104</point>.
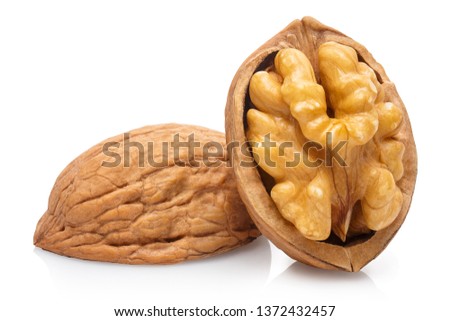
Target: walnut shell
<point>137,213</point>
<point>307,35</point>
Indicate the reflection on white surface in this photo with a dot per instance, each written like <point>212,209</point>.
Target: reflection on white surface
<point>245,268</point>
<point>337,283</point>
<point>257,270</point>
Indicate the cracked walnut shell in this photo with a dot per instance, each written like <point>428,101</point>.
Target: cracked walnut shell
<point>157,207</point>
<point>309,92</point>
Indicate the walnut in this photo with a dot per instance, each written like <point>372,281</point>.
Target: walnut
<point>149,203</point>
<point>308,92</point>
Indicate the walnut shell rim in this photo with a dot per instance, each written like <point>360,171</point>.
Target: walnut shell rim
<point>307,35</point>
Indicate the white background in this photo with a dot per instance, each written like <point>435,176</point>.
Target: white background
<point>73,73</point>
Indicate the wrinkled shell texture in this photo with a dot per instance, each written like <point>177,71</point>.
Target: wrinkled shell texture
<point>146,214</point>
<point>373,157</point>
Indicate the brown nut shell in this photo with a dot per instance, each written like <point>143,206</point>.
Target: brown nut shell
<point>307,35</point>
<point>137,213</point>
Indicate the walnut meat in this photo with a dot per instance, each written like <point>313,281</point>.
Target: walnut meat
<point>307,93</point>
<point>317,197</point>
<point>154,206</point>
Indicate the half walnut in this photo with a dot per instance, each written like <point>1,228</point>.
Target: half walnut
<point>333,143</point>
<point>158,205</point>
